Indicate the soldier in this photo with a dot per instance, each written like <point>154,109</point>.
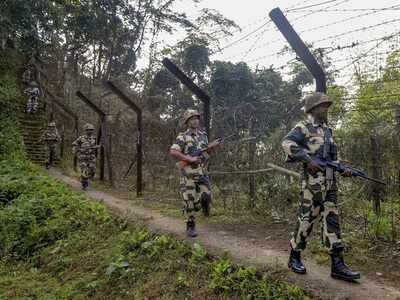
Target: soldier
<point>33,93</point>
<point>194,182</point>
<point>313,138</point>
<point>28,74</point>
<point>51,138</point>
<point>85,147</point>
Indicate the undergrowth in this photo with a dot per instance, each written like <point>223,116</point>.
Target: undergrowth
<point>11,145</point>
<point>56,244</point>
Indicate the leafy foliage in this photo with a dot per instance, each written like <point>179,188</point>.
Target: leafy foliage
<point>57,244</point>
<point>71,29</point>
<point>10,99</point>
<point>42,213</point>
<point>228,278</point>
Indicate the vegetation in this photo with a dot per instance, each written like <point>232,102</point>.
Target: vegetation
<point>11,145</point>
<point>47,231</point>
<point>56,244</point>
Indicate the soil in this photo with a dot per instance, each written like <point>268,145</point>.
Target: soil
<point>263,246</point>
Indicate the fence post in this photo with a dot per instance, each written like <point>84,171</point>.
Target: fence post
<point>252,154</point>
<point>139,142</point>
<point>397,120</point>
<point>376,165</point>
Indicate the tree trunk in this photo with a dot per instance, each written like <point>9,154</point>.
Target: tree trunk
<point>109,161</point>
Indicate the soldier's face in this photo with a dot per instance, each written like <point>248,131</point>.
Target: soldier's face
<point>321,111</point>
<point>193,122</point>
<point>89,132</point>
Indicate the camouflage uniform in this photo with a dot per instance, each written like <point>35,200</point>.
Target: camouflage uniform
<point>318,191</point>
<point>51,138</point>
<point>85,147</point>
<point>309,140</point>
<point>33,93</point>
<point>194,181</point>
<point>27,76</point>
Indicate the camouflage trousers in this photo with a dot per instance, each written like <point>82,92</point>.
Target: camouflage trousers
<point>193,188</point>
<point>32,105</point>
<point>317,203</point>
<point>88,169</point>
<point>50,154</point>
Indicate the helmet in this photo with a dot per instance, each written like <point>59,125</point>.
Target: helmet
<point>190,113</point>
<point>313,100</point>
<point>33,84</point>
<point>52,124</point>
<point>88,126</point>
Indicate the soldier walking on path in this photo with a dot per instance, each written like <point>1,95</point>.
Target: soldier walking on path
<point>51,138</point>
<point>192,150</point>
<point>86,148</point>
<point>312,138</point>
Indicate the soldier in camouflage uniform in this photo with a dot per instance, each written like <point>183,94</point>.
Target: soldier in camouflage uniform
<point>27,76</point>
<point>51,138</point>
<point>85,147</point>
<point>313,138</point>
<point>33,93</point>
<point>194,182</point>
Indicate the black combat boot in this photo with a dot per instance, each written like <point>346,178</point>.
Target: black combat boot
<point>340,271</point>
<point>51,160</point>
<point>205,205</point>
<point>191,227</point>
<point>295,263</point>
<point>85,184</point>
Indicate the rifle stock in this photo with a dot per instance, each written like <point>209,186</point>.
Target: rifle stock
<point>182,163</point>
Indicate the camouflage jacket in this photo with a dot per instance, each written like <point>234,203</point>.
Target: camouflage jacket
<point>85,147</point>
<point>32,91</point>
<point>309,138</point>
<point>50,136</point>
<point>188,142</point>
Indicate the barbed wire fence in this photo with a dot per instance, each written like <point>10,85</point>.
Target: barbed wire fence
<point>245,170</point>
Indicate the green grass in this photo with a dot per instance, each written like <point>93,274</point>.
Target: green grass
<point>56,244</point>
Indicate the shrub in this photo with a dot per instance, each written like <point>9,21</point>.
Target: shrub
<point>42,211</point>
<point>11,146</point>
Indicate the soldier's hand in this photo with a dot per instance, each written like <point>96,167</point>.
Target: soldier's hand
<point>347,172</point>
<point>313,168</point>
<point>214,143</point>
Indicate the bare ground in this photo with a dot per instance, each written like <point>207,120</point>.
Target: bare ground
<point>245,247</point>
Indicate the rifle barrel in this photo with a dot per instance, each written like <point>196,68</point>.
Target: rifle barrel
<point>356,172</point>
<point>374,180</point>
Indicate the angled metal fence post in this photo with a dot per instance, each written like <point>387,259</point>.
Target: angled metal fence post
<point>139,142</point>
<point>193,88</point>
<point>300,48</point>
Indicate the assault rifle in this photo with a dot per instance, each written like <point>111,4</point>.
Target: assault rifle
<point>86,148</point>
<point>202,153</point>
<point>341,168</point>
<point>91,147</point>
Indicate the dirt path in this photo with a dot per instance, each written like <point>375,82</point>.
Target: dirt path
<point>244,250</point>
